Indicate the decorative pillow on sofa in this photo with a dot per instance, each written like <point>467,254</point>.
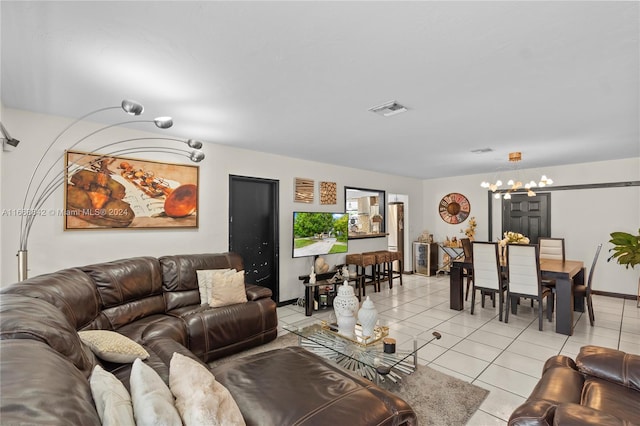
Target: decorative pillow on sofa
<point>112,346</point>
<point>112,399</point>
<point>206,279</point>
<point>153,402</point>
<point>200,399</point>
<point>229,290</point>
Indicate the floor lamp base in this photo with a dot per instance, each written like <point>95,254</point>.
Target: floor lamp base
<point>22,265</point>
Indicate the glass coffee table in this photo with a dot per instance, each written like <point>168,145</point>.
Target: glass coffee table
<point>364,356</point>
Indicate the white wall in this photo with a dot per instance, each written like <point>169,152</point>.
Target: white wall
<point>51,248</point>
<point>584,218</point>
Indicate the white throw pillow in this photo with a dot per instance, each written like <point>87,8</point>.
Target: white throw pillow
<point>112,346</point>
<point>206,280</point>
<point>200,399</point>
<point>153,402</point>
<point>228,291</point>
<point>112,399</point>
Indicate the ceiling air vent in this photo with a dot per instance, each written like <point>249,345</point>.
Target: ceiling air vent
<point>388,109</point>
<point>482,150</point>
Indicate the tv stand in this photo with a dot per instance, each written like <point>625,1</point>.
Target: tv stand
<point>312,291</point>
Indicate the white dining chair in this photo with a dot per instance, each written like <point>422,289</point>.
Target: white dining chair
<point>486,274</point>
<point>524,279</point>
<point>551,248</point>
<point>585,291</point>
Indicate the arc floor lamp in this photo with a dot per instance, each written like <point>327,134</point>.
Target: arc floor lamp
<point>43,183</point>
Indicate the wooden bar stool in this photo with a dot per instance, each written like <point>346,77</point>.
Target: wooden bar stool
<point>361,262</point>
<point>395,256</point>
<point>382,263</point>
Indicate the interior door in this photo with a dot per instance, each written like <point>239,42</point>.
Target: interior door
<point>253,229</point>
<point>530,216</point>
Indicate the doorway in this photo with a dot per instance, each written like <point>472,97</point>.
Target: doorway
<point>530,216</point>
<point>254,229</point>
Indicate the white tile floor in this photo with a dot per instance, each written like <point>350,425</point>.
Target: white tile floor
<point>506,359</point>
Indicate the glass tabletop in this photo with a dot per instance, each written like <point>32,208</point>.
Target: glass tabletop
<point>360,354</point>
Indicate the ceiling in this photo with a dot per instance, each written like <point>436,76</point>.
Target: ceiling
<point>558,81</point>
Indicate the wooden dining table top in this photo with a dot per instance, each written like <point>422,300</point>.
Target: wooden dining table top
<point>548,266</point>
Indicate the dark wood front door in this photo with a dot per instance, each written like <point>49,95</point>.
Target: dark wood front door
<point>530,216</point>
<point>253,229</point>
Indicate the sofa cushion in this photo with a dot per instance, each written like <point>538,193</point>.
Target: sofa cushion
<point>112,399</point>
<point>40,386</point>
<point>228,290</point>
<point>206,280</point>
<point>200,399</point>
<point>28,318</point>
<point>129,289</point>
<point>152,400</point>
<point>179,278</point>
<point>610,364</point>
<point>113,346</point>
<point>611,398</point>
<point>264,386</point>
<point>70,290</point>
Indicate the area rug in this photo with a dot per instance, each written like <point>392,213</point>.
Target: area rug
<point>437,399</point>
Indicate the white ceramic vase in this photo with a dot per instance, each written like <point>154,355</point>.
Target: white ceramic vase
<point>368,317</point>
<point>345,306</point>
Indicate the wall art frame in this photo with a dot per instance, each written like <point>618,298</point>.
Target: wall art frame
<point>114,192</point>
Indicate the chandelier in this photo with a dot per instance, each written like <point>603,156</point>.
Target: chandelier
<point>515,183</point>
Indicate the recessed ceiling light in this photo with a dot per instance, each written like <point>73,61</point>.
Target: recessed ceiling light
<point>388,109</point>
<point>482,150</point>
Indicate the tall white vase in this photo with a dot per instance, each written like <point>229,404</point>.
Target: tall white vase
<point>345,305</point>
<point>368,317</point>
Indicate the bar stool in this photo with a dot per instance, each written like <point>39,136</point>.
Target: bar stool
<point>361,262</point>
<point>382,265</point>
<point>395,256</point>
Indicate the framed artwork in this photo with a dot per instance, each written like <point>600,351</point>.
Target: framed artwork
<point>328,193</point>
<point>303,191</point>
<point>104,191</point>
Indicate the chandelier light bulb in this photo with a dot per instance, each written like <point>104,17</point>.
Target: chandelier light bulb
<point>507,196</point>
<point>549,182</point>
<point>497,196</point>
<point>542,184</point>
<point>530,193</point>
<point>510,183</point>
<point>498,183</point>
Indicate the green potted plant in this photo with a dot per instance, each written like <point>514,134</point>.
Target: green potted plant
<point>626,251</point>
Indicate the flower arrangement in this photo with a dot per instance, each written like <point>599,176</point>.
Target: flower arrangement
<point>513,238</point>
<point>470,231</point>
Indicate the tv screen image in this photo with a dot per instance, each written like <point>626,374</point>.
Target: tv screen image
<point>319,233</point>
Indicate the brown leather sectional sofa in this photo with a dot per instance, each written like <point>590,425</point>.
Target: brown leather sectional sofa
<point>44,366</point>
<point>602,387</point>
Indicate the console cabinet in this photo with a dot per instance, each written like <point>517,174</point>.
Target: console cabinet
<point>425,258</point>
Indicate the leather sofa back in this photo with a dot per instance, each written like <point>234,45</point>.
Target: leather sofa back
<point>129,289</point>
<point>70,290</point>
<point>180,280</point>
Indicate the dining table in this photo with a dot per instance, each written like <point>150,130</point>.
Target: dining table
<point>566,273</point>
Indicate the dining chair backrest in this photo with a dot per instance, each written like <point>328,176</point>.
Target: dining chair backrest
<point>486,266</point>
<point>467,247</point>
<point>593,267</point>
<point>551,248</point>
<point>523,265</point>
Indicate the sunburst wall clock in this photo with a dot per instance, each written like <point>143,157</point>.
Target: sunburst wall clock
<point>454,208</point>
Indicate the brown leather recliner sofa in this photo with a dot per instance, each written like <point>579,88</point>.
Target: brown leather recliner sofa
<point>602,387</point>
<point>45,367</point>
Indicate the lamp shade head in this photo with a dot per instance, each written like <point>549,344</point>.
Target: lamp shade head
<point>196,156</point>
<point>195,144</point>
<point>163,122</point>
<point>132,107</point>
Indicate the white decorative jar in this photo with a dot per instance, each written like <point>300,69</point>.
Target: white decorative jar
<point>368,317</point>
<point>345,306</point>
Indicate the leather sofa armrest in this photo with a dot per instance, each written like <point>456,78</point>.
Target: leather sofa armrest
<point>611,365</point>
<point>255,292</point>
<point>579,415</point>
<point>165,347</point>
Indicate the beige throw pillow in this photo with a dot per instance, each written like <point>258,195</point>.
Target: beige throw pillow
<point>206,280</point>
<point>112,346</point>
<point>112,399</point>
<point>153,403</point>
<point>229,290</point>
<point>200,399</point>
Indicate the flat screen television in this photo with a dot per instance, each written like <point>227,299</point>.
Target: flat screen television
<point>319,233</point>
